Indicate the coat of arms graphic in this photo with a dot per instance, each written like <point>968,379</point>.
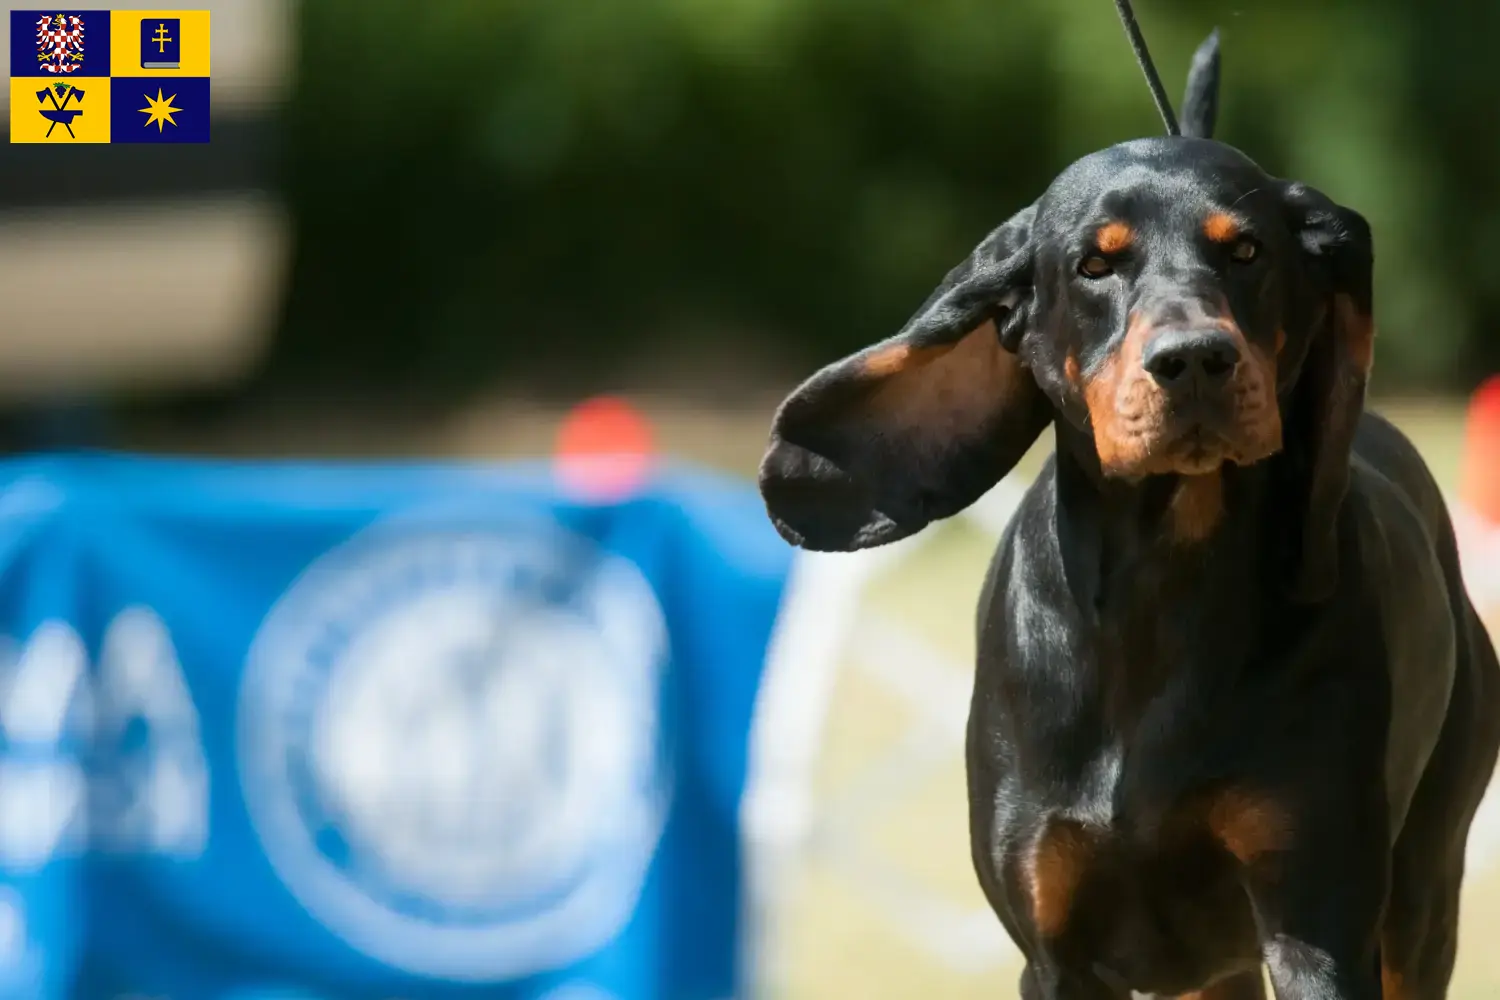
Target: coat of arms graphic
<point>59,42</point>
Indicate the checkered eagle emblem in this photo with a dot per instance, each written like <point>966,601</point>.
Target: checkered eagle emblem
<point>59,42</point>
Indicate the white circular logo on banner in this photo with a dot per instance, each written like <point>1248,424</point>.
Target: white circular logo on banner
<point>450,750</point>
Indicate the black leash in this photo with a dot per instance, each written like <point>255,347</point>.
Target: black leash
<point>1143,56</point>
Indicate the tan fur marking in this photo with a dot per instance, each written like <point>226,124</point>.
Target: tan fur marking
<point>949,390</point>
<point>1118,421</point>
<point>1129,415</point>
<point>1056,870</point>
<point>888,361</point>
<point>1221,227</point>
<point>1197,507</point>
<point>1392,982</point>
<point>1070,368</point>
<point>1392,987</point>
<point>1248,824</point>
<point>1114,237</point>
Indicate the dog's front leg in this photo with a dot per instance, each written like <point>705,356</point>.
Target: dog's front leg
<point>1300,970</point>
<point>1318,905</point>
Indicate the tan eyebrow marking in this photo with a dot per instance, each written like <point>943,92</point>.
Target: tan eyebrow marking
<point>1221,227</point>
<point>1113,237</point>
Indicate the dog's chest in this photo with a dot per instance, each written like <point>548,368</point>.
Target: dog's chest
<point>1147,888</point>
<point>1175,777</point>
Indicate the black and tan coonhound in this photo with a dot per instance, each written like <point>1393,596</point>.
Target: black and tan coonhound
<point>1233,707</point>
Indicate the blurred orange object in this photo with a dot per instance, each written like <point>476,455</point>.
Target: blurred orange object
<point>604,449</point>
<point>1479,484</point>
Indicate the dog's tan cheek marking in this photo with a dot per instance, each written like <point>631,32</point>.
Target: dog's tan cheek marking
<point>1120,448</point>
<point>1197,507</point>
<point>1055,871</point>
<point>1099,397</point>
<point>1221,227</point>
<point>1070,369</point>
<point>1114,237</point>
<point>1249,825</point>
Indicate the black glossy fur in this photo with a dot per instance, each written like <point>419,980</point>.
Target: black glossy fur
<point>1232,704</point>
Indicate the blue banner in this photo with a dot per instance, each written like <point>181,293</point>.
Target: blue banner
<point>328,731</point>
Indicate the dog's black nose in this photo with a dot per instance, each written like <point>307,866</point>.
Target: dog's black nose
<point>1182,359</point>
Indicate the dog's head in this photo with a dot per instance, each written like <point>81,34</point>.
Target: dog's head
<point>1166,298</point>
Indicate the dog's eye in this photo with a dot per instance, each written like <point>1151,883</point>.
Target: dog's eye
<point>1094,266</point>
<point>1244,250</point>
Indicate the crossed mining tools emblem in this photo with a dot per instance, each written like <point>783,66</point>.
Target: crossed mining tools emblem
<point>60,113</point>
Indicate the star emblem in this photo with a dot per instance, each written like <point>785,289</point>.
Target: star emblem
<point>159,110</point>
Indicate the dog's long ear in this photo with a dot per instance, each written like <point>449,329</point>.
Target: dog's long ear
<point>1200,102</point>
<point>874,447</point>
<point>1330,392</point>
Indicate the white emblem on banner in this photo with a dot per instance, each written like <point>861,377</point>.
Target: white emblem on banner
<point>151,789</point>
<point>449,746</point>
<point>44,698</point>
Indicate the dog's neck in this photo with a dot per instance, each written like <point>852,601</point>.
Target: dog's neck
<point>1176,522</point>
<point>1157,565</point>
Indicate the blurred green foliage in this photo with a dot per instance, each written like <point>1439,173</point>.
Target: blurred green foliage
<point>552,186</point>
